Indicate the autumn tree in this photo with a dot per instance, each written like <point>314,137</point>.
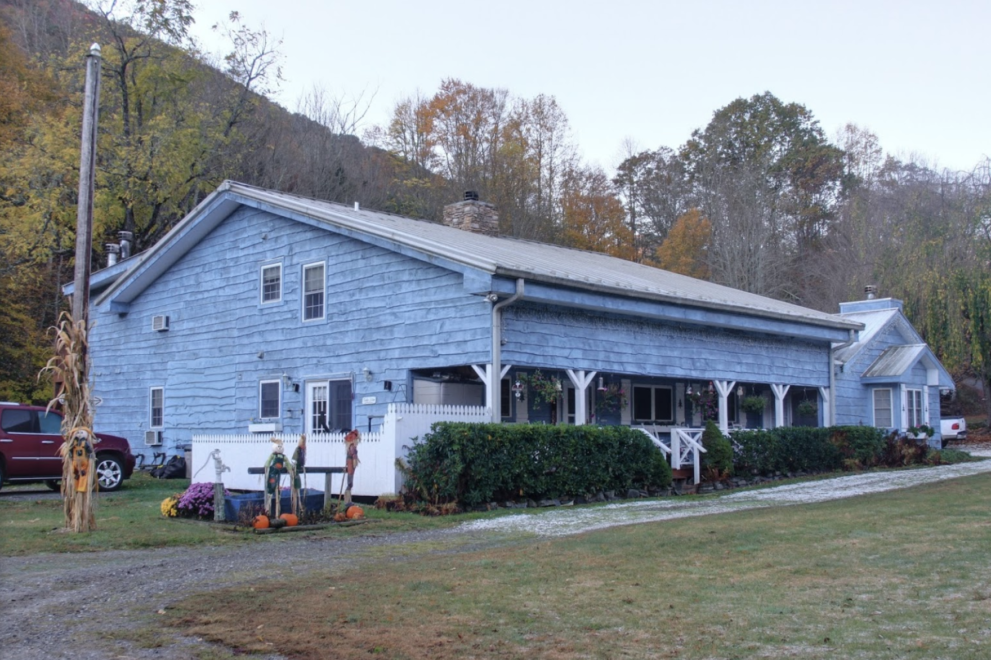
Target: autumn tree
<point>592,215</point>
<point>685,250</point>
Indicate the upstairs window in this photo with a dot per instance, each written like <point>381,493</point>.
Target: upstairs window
<point>882,409</point>
<point>156,405</point>
<point>313,291</point>
<point>269,405</point>
<point>271,284</point>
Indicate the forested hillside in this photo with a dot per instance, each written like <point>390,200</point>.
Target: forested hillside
<point>759,197</point>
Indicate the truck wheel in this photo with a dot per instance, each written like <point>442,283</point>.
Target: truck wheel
<point>109,473</point>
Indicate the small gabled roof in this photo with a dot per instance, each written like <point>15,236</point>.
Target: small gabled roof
<point>501,256</point>
<point>896,361</point>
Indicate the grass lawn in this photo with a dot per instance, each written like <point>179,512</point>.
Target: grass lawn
<point>904,574</point>
<point>131,518</point>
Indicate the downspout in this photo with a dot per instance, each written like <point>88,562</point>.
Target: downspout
<point>495,378</point>
<point>832,377</point>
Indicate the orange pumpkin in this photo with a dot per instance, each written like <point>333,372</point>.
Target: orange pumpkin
<point>260,522</point>
<point>355,513</point>
<point>291,519</point>
<point>339,517</point>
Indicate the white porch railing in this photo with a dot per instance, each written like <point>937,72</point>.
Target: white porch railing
<point>686,447</point>
<point>376,474</point>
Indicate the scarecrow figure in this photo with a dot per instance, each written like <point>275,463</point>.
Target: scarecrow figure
<point>81,452</point>
<point>79,479</point>
<point>351,440</point>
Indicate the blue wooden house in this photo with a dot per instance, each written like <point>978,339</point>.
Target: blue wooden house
<point>265,312</point>
<point>889,377</point>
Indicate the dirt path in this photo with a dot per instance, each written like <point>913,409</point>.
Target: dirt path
<point>91,606</point>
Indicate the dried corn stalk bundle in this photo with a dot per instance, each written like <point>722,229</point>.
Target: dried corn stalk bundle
<point>70,366</point>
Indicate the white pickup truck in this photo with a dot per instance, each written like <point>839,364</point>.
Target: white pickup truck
<point>953,428</point>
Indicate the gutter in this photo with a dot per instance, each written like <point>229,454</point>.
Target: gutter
<point>495,376</point>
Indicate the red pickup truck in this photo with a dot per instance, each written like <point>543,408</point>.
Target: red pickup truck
<point>30,438</point>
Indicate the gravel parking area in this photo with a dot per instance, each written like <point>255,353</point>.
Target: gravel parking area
<point>81,606</point>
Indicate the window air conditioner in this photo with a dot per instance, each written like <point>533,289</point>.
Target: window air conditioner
<point>160,323</point>
<point>153,438</point>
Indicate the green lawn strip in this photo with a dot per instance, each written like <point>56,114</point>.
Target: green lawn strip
<point>895,575</point>
<point>131,518</point>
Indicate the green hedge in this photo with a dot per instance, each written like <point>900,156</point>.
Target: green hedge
<point>476,463</point>
<point>797,448</point>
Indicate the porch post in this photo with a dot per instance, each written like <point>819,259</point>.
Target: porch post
<point>827,407</point>
<point>724,387</point>
<point>779,403</point>
<point>491,388</point>
<point>580,380</point>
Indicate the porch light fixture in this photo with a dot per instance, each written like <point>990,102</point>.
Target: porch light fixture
<point>690,392</point>
<point>368,374</point>
<point>739,391</point>
<point>602,385</point>
<point>518,389</point>
<point>557,385</point>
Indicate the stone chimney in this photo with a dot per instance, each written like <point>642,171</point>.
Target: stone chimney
<point>472,215</point>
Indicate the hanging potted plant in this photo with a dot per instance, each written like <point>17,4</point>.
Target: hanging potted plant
<point>753,404</point>
<point>807,409</point>
<point>544,388</point>
<point>704,400</point>
<point>611,399</point>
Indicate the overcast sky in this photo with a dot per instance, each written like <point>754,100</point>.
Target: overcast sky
<point>915,73</point>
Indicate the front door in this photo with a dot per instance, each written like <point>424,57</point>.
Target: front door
<point>317,399</point>
<point>328,406</point>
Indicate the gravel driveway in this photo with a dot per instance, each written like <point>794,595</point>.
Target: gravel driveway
<point>77,606</point>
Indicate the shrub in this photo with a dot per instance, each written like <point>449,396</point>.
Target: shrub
<point>718,457</point>
<point>900,450</point>
<point>476,463</point>
<point>785,449</point>
<point>859,446</point>
<point>197,501</point>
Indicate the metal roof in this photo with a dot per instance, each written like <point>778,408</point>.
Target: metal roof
<point>873,321</point>
<point>895,361</point>
<point>551,264</point>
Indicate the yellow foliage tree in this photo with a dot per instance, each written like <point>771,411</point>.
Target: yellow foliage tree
<point>684,250</point>
<point>593,217</point>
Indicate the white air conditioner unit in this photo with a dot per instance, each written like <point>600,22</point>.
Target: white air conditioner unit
<point>153,438</point>
<point>160,323</point>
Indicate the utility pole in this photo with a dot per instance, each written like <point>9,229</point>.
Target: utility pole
<point>87,181</point>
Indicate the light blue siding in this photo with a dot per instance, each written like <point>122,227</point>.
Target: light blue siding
<point>385,311</point>
<point>556,338</point>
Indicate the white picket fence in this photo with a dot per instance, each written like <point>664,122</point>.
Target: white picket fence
<point>376,475</point>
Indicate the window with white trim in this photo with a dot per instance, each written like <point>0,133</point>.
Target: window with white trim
<point>653,403</point>
<point>915,416</point>
<point>271,284</point>
<point>269,399</point>
<point>882,409</point>
<point>314,286</point>
<point>156,407</point>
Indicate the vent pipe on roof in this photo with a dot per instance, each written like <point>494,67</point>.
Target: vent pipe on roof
<point>113,252</point>
<point>125,243</point>
<point>871,291</point>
